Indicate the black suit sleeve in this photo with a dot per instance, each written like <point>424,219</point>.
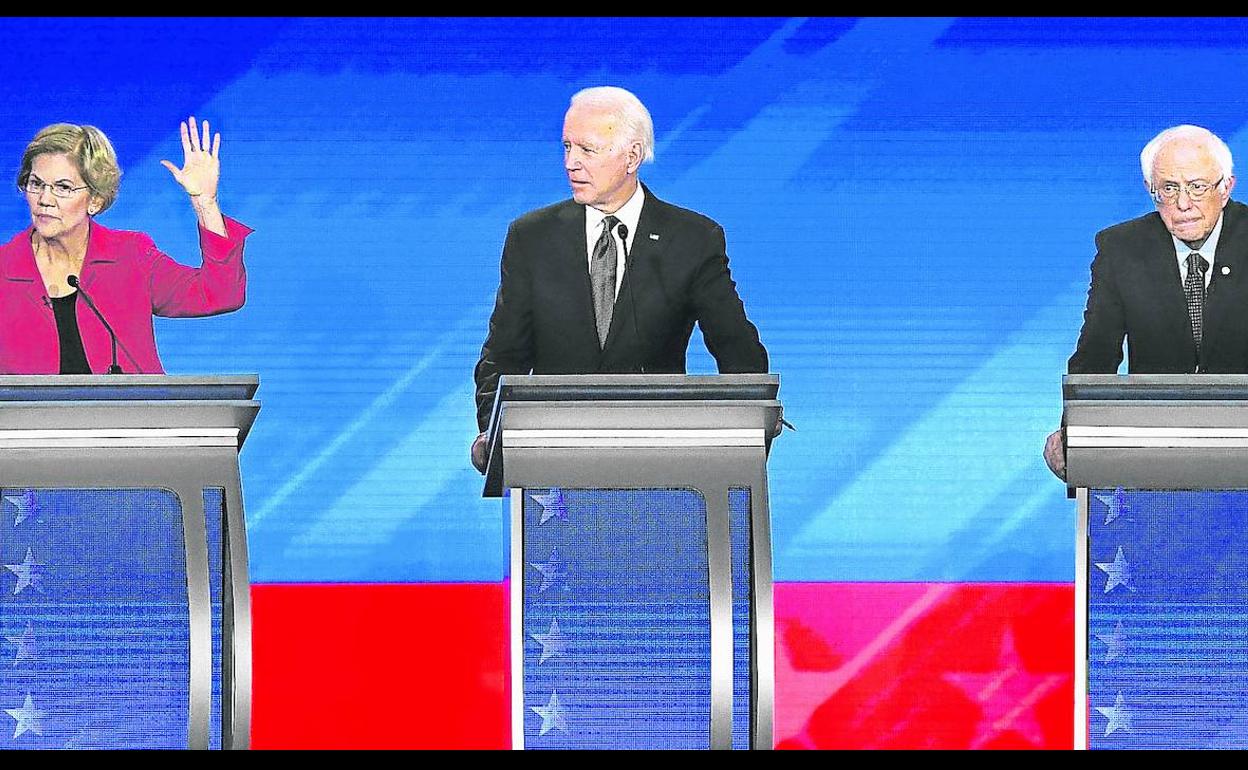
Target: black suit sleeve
<point>729,335</point>
<point>508,347</point>
<point>1099,350</point>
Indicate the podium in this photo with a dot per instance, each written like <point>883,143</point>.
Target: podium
<point>124,598</point>
<point>639,558</point>
<point>1159,467</point>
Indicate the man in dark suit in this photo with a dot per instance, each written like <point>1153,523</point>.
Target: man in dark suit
<point>614,279</point>
<point>1173,283</point>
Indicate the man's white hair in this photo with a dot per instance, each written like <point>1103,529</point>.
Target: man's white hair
<point>627,109</point>
<point>1216,147</point>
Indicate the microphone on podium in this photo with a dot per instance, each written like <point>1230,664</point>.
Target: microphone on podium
<point>622,231</point>
<point>73,281</point>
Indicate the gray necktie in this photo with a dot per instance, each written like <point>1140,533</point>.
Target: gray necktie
<point>1194,288</point>
<point>602,278</point>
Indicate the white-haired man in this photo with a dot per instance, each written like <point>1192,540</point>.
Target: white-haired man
<point>1173,283</point>
<point>613,279</point>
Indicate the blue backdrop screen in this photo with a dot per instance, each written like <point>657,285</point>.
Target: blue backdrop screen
<point>909,204</point>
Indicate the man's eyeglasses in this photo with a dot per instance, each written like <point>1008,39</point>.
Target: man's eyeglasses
<point>1169,192</point>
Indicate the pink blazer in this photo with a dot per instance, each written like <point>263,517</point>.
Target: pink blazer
<point>130,280</point>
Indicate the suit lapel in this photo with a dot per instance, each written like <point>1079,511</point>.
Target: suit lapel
<point>1164,270</point>
<point>572,262</point>
<point>1230,263</point>
<point>98,257</point>
<point>23,272</point>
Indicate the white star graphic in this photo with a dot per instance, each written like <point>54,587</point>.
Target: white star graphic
<point>27,574</point>
<point>24,503</point>
<point>553,506</point>
<point>553,714</point>
<point>1116,643</point>
<point>25,644</point>
<point>1007,695</point>
<point>553,642</point>
<point>29,719</point>
<point>1114,505</point>
<point>1118,715</point>
<point>1118,570</point>
<point>552,571</point>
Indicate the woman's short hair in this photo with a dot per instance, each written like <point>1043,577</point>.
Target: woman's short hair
<point>90,151</point>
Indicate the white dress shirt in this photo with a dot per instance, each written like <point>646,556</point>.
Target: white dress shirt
<point>1208,250</point>
<point>628,214</point>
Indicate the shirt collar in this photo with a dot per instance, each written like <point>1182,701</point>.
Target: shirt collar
<point>629,214</point>
<point>1208,249</point>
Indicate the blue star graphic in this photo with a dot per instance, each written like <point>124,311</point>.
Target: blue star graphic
<point>29,719</point>
<point>553,506</point>
<point>25,505</point>
<point>553,642</point>
<point>1118,570</point>
<point>553,714</point>
<point>552,571</point>
<point>25,644</point>
<point>27,574</point>
<point>1116,643</point>
<point>1115,505</point>
<point>1118,715</point>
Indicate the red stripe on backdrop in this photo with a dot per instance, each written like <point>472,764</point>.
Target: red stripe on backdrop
<point>924,665</point>
<point>859,665</point>
<point>379,666</point>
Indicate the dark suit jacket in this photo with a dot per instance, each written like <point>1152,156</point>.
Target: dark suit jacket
<point>676,273</point>
<point>1136,292</point>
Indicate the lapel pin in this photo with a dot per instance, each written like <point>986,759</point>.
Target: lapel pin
<point>1226,270</point>
<point>654,236</point>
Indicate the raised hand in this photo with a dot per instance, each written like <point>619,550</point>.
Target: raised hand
<point>201,168</point>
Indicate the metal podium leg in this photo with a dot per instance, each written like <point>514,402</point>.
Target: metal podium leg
<point>517,617</point>
<point>1081,618</point>
<point>199,602</point>
<point>236,620</point>
<point>762,622</point>
<point>719,575</point>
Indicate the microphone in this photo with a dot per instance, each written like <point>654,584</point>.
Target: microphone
<point>622,231</point>
<point>73,281</point>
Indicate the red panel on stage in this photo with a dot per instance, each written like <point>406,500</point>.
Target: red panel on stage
<point>859,665</point>
<point>379,666</point>
<point>924,665</point>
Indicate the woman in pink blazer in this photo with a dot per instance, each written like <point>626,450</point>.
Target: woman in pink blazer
<point>69,175</point>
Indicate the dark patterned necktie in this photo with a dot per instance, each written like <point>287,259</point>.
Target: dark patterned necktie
<point>1194,288</point>
<point>602,278</point>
